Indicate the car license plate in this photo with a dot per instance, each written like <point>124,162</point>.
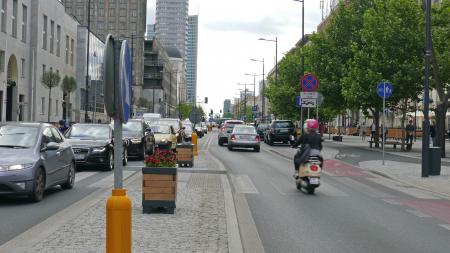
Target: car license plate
<point>314,180</point>
<point>79,156</point>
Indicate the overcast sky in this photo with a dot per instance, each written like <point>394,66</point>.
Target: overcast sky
<point>228,39</point>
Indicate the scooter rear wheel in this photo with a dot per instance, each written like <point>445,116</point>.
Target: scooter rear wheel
<point>310,190</point>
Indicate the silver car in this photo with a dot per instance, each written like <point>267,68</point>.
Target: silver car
<point>33,158</point>
<point>244,136</point>
<point>226,130</point>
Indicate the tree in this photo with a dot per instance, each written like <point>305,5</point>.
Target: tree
<point>69,85</point>
<point>50,80</point>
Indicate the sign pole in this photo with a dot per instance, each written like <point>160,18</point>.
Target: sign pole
<point>384,118</point>
<point>317,110</point>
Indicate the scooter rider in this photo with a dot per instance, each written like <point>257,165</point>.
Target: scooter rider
<point>311,142</point>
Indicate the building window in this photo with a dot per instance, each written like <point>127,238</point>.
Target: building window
<point>22,67</point>
<point>112,12</point>
<point>67,49</point>
<point>43,68</point>
<point>42,105</point>
<point>58,40</point>
<point>14,19</point>
<point>123,25</point>
<point>4,13</point>
<point>52,35</point>
<point>123,12</point>
<point>101,12</point>
<point>2,61</point>
<point>101,25</point>
<point>72,45</point>
<point>24,23</point>
<point>111,26</point>
<point>44,34</point>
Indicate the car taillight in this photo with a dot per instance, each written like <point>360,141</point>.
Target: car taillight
<point>257,138</point>
<point>314,167</point>
<point>222,129</point>
<point>233,137</point>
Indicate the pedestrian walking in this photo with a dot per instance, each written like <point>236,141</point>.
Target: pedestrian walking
<point>373,130</point>
<point>62,126</point>
<point>433,133</point>
<point>409,132</point>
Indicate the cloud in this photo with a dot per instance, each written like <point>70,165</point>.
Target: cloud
<point>265,26</point>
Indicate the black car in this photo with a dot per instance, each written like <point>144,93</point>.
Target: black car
<point>93,145</point>
<point>280,131</point>
<point>261,129</point>
<point>141,139</point>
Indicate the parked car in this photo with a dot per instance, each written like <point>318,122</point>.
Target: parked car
<point>204,127</point>
<point>226,129</point>
<point>93,145</point>
<point>141,139</point>
<point>261,130</point>
<point>188,132</point>
<point>244,136</point>
<point>33,158</point>
<point>280,131</point>
<point>151,117</point>
<point>165,136</point>
<point>198,130</point>
<point>175,123</point>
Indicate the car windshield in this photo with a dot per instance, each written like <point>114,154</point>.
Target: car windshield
<point>172,123</point>
<point>132,128</point>
<point>88,132</point>
<point>18,136</point>
<point>244,130</point>
<point>286,124</point>
<point>160,129</point>
<point>262,126</point>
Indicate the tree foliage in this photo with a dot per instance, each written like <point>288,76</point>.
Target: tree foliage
<point>69,85</point>
<point>50,80</point>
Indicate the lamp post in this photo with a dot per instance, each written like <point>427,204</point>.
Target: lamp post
<point>263,100</point>
<point>276,56</point>
<point>426,97</point>
<point>86,107</point>
<point>303,35</point>
<point>254,86</point>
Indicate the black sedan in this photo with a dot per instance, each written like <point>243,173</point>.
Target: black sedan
<point>33,158</point>
<point>93,145</point>
<point>141,139</point>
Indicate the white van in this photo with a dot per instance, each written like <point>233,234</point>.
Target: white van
<point>151,117</point>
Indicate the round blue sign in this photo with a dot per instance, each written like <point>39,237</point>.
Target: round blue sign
<point>384,90</point>
<point>125,77</point>
<point>309,82</point>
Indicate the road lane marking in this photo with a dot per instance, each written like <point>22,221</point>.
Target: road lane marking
<point>363,188</point>
<point>277,189</point>
<point>418,214</point>
<point>392,202</point>
<point>446,226</point>
<point>330,190</point>
<point>109,180</point>
<point>79,176</point>
<point>243,184</point>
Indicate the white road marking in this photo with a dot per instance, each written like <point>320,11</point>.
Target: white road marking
<point>244,184</point>
<point>109,180</point>
<point>446,226</point>
<point>277,189</point>
<point>392,202</point>
<point>418,214</point>
<point>365,189</point>
<point>330,190</point>
<point>79,176</point>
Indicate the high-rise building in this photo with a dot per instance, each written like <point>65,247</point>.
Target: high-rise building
<point>191,58</point>
<point>150,31</point>
<point>171,23</point>
<point>227,106</point>
<point>123,19</point>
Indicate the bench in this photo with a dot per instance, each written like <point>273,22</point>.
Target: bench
<point>394,143</point>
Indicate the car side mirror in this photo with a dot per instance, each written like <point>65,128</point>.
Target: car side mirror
<point>50,146</point>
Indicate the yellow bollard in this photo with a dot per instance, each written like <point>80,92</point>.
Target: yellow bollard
<point>118,222</point>
<point>194,141</point>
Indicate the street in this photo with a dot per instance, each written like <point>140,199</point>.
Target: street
<point>18,214</point>
<point>350,212</point>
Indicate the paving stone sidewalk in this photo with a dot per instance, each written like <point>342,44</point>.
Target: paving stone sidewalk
<point>198,225</point>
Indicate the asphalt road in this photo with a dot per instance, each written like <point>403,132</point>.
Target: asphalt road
<point>18,214</point>
<point>349,213</point>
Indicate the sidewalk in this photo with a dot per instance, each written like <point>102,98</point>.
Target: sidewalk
<point>203,221</point>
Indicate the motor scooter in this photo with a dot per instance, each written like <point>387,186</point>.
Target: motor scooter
<point>309,174</point>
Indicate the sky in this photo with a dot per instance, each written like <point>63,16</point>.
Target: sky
<point>228,38</point>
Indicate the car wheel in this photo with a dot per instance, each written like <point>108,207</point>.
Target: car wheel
<point>70,178</point>
<point>110,165</point>
<point>230,148</point>
<point>270,141</point>
<point>144,152</point>
<point>221,143</point>
<point>256,149</point>
<point>38,186</point>
<point>125,157</point>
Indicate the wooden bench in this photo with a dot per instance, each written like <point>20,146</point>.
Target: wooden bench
<point>394,143</point>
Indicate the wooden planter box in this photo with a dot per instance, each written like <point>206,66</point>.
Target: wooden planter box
<point>159,189</point>
<point>185,155</point>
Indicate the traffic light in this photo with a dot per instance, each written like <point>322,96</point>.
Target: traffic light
<point>206,100</point>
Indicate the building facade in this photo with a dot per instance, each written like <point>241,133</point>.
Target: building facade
<point>34,38</point>
<point>124,19</point>
<point>171,23</point>
<point>227,106</point>
<point>150,31</point>
<point>191,58</point>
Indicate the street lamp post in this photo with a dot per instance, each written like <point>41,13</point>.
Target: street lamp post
<point>302,55</point>
<point>263,100</point>
<point>86,107</point>
<point>276,56</point>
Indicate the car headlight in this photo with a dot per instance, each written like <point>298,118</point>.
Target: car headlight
<point>16,167</point>
<point>99,149</point>
<point>136,141</point>
<point>163,140</point>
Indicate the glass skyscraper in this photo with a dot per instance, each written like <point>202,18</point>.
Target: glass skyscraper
<point>191,58</point>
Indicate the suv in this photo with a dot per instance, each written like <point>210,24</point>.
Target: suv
<point>280,131</point>
<point>226,129</point>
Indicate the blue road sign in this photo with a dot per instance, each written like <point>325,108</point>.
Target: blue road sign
<point>254,108</point>
<point>298,102</point>
<point>125,82</point>
<point>384,90</point>
<point>309,82</point>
